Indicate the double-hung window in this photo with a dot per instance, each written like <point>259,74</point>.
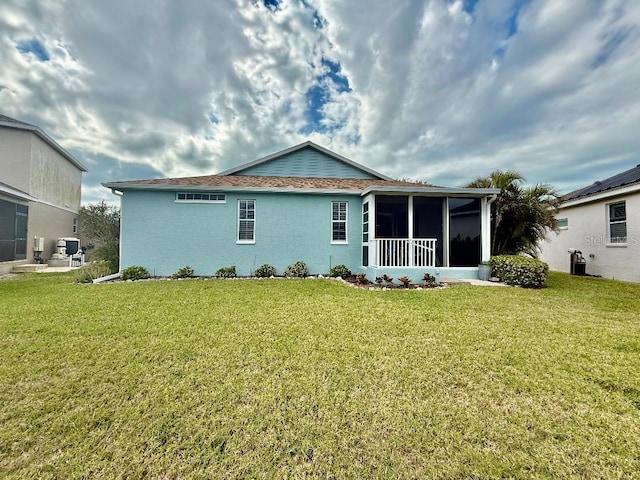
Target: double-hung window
<point>617,222</point>
<point>246,221</point>
<point>339,222</point>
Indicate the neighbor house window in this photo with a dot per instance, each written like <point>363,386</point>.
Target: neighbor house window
<point>617,222</point>
<point>246,221</point>
<point>563,223</point>
<point>339,222</point>
<point>201,197</point>
<point>75,225</point>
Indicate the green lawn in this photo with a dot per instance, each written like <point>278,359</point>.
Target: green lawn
<point>310,378</point>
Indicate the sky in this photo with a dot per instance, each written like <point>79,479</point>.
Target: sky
<point>440,91</point>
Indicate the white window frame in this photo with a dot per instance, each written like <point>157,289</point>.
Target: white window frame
<point>345,221</point>
<point>610,222</point>
<point>251,220</point>
<point>75,225</point>
<point>564,220</point>
<point>211,197</point>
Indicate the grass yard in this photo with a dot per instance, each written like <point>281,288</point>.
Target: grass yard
<point>310,378</point>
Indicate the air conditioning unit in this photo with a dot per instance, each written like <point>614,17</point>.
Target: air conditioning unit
<point>38,244</point>
<point>73,244</point>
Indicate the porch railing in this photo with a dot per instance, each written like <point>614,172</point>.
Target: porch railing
<point>405,252</point>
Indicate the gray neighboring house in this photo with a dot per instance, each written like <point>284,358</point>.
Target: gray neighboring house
<point>602,220</point>
<point>40,186</point>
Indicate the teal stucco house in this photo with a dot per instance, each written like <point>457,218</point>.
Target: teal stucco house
<point>304,203</point>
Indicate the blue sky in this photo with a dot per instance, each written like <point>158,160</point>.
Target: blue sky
<point>441,90</point>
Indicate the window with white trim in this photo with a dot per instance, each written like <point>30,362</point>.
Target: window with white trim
<point>563,223</point>
<point>198,197</point>
<point>246,221</point>
<point>339,222</point>
<point>617,222</point>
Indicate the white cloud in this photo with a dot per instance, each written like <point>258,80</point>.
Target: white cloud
<point>436,92</point>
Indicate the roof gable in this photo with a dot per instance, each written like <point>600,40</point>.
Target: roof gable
<point>9,122</point>
<point>306,160</point>
<point>628,177</point>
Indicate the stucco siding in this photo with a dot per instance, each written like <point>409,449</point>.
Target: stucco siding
<point>587,231</point>
<point>53,178</point>
<point>306,162</point>
<point>15,154</point>
<point>51,223</point>
<point>163,235</point>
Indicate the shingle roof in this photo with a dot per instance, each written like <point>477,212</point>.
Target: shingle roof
<point>627,177</point>
<point>249,181</point>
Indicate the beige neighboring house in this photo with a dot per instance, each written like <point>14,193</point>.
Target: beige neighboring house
<point>603,222</point>
<point>40,185</point>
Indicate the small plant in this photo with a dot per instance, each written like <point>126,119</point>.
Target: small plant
<point>360,279</point>
<point>90,272</point>
<point>264,271</point>
<point>135,272</point>
<point>226,272</point>
<point>379,281</point>
<point>405,281</point>
<point>298,270</point>
<point>340,271</point>
<point>429,280</point>
<point>184,272</point>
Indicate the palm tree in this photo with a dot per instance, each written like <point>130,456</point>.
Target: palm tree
<point>520,216</point>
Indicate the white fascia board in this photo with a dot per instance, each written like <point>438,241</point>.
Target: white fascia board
<point>12,192</point>
<point>615,192</point>
<point>465,192</point>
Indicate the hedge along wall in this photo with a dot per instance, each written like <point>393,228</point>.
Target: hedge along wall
<point>521,271</point>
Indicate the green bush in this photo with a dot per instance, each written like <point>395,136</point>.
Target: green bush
<point>298,269</point>
<point>184,272</point>
<point>264,271</point>
<point>340,271</point>
<point>91,271</point>
<point>226,272</point>
<point>518,270</point>
<point>135,272</point>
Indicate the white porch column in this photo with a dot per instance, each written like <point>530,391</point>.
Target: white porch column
<point>485,231</point>
<point>410,220</point>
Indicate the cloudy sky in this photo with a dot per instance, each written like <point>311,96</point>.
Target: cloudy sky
<point>435,90</point>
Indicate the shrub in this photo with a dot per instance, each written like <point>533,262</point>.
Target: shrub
<point>184,272</point>
<point>429,280</point>
<point>340,271</point>
<point>518,270</point>
<point>135,272</point>
<point>90,272</point>
<point>298,269</point>
<point>405,281</point>
<point>265,270</point>
<point>226,272</point>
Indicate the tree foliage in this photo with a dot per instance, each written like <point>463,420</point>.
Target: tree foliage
<point>520,216</point>
<point>100,224</point>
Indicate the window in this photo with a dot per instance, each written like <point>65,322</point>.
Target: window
<point>563,223</point>
<point>201,197</point>
<point>75,225</point>
<point>14,218</point>
<point>246,221</point>
<point>617,222</point>
<point>338,222</point>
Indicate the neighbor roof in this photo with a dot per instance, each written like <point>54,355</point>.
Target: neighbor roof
<point>9,122</point>
<point>628,177</point>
